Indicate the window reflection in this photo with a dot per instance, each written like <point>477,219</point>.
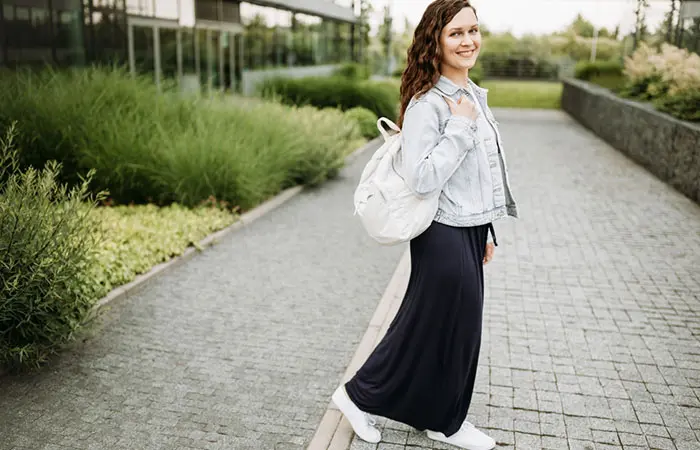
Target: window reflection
<point>144,54</point>
<point>168,53</point>
<point>28,35</point>
<point>68,31</point>
<point>275,38</point>
<point>75,32</point>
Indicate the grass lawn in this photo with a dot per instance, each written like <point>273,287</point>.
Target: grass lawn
<point>523,94</point>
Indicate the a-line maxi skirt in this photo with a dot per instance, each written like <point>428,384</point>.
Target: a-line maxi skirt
<point>422,372</point>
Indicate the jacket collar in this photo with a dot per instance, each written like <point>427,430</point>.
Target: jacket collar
<point>448,87</point>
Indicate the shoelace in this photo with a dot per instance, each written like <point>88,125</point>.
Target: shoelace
<point>371,420</point>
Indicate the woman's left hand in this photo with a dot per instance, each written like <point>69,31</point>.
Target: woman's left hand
<point>488,253</point>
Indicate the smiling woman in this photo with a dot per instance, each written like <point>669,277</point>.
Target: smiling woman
<point>423,371</point>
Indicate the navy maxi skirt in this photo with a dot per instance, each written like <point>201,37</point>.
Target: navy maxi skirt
<point>422,372</point>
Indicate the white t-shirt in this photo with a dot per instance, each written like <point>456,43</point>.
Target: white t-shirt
<point>486,131</point>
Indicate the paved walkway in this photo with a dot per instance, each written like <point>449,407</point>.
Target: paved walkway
<point>592,316</point>
<point>592,336</point>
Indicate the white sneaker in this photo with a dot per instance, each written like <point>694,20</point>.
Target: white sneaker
<point>468,437</point>
<point>361,422</point>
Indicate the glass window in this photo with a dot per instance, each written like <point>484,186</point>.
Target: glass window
<point>305,39</point>
<point>144,56</point>
<point>206,9</point>
<point>217,10</point>
<point>109,31</point>
<point>210,59</point>
<point>342,42</point>
<point>230,12</point>
<point>168,53</point>
<point>282,39</point>
<point>8,12</point>
<point>278,38</point>
<point>257,38</point>
<point>68,32</point>
<point>28,33</point>
<point>189,62</point>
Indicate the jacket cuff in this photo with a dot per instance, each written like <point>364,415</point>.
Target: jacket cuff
<point>463,122</point>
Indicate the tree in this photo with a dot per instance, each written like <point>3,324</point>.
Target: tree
<point>385,36</point>
<point>640,29</point>
<point>582,27</point>
<point>669,21</point>
<point>363,30</point>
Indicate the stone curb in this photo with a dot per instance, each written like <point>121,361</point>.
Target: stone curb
<point>247,218</point>
<point>334,431</point>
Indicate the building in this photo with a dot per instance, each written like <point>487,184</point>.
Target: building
<point>215,44</point>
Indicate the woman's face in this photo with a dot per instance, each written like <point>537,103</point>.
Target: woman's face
<point>460,41</point>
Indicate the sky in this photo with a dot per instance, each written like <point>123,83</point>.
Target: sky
<point>536,16</point>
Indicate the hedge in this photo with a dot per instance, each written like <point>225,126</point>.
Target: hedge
<point>366,119</point>
<point>163,148</point>
<point>117,136</point>
<point>333,92</point>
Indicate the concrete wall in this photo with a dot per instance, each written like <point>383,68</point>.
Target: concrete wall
<point>250,78</point>
<point>667,147</point>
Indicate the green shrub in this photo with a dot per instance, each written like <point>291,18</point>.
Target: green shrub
<point>646,88</point>
<point>517,66</point>
<point>476,74</point>
<point>137,237</point>
<point>586,70</point>
<point>353,71</point>
<point>48,244</point>
<point>163,148</point>
<point>332,92</point>
<point>366,119</point>
<point>682,106</point>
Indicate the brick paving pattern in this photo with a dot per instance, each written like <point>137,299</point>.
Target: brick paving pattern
<point>238,348</point>
<point>592,315</point>
<point>592,319</point>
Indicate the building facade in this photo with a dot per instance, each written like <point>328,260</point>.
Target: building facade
<point>211,44</point>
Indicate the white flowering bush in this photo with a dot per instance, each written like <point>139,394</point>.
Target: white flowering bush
<point>670,77</point>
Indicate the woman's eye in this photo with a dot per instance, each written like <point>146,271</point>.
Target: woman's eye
<point>456,33</point>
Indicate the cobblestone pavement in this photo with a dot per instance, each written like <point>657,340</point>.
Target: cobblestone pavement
<point>592,336</point>
<point>238,348</point>
<point>592,316</point>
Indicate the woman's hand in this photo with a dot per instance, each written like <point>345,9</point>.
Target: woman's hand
<point>488,253</point>
<point>462,107</point>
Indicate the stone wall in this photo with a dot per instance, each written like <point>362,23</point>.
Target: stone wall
<point>667,147</point>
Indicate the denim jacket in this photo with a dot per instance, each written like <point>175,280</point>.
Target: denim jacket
<point>443,152</point>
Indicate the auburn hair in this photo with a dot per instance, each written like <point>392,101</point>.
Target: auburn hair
<point>425,54</point>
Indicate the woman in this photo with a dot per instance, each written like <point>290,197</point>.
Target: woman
<point>422,373</point>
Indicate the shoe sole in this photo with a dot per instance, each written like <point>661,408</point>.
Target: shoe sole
<point>471,447</point>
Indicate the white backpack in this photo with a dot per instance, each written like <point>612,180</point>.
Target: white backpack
<point>390,212</point>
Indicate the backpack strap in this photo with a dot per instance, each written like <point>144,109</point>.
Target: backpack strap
<point>389,124</point>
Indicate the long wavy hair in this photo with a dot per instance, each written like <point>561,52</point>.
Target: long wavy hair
<point>424,54</point>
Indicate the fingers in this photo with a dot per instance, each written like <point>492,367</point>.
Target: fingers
<point>488,254</point>
<point>450,103</point>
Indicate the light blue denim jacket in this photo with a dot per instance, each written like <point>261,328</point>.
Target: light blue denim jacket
<point>440,151</point>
